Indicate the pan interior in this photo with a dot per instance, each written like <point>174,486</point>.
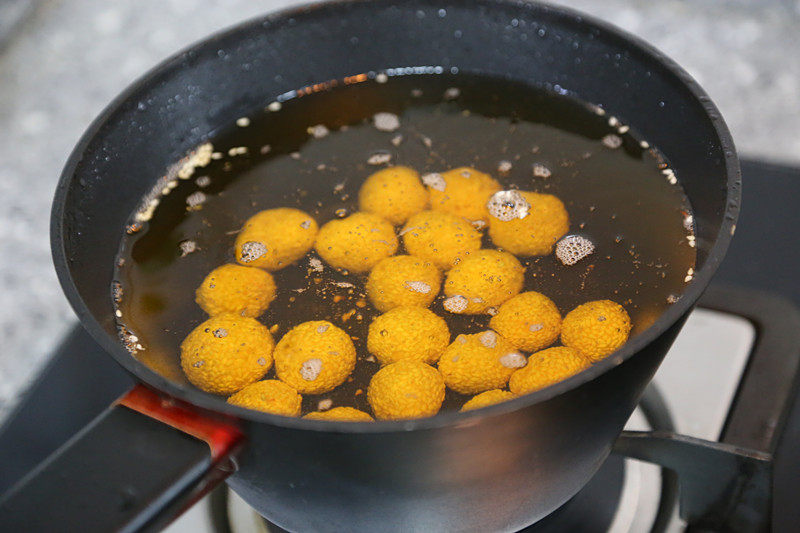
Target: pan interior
<point>314,154</point>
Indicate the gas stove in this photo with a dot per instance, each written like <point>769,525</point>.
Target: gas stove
<point>729,377</point>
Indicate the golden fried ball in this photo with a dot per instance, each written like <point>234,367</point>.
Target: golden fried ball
<point>535,234</point>
<point>442,238</point>
<point>275,238</point>
<point>403,280</point>
<point>530,321</point>
<point>596,329</point>
<point>226,353</point>
<point>485,399</point>
<point>314,357</point>
<point>485,279</point>
<point>408,332</point>
<point>546,368</point>
<point>356,243</point>
<point>462,191</point>
<point>236,289</point>
<point>394,193</point>
<point>271,396</point>
<point>406,389</point>
<point>479,362</point>
<point>340,414</point>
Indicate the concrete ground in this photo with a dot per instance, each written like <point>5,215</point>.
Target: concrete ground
<point>68,58</point>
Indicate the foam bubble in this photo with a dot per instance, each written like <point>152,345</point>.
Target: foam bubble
<point>311,369</point>
<point>196,199</point>
<point>252,250</point>
<point>455,304</point>
<point>508,205</point>
<point>319,131</point>
<point>435,181</point>
<point>513,360</point>
<point>386,121</point>
<point>612,141</point>
<point>504,166</point>
<point>488,338</point>
<point>187,247</point>
<point>379,158</point>
<point>316,265</point>
<point>541,171</point>
<point>573,248</point>
<point>418,286</point>
<point>452,93</point>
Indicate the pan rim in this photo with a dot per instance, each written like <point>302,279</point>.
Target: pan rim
<point>219,406</point>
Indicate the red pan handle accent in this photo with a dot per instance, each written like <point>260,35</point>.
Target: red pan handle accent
<point>222,437</point>
<point>136,467</point>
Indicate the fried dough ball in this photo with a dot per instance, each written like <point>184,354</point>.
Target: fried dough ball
<point>236,289</point>
<point>485,399</point>
<point>406,389</point>
<point>226,353</point>
<point>314,357</point>
<point>485,279</point>
<point>442,238</point>
<point>546,368</point>
<point>596,329</point>
<point>271,396</point>
<point>462,191</point>
<point>479,362</point>
<point>356,243</point>
<point>403,280</point>
<point>275,238</point>
<point>530,321</point>
<point>340,414</point>
<point>408,332</point>
<point>537,232</point>
<point>394,193</point>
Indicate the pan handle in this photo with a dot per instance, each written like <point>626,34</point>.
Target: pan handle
<point>135,467</point>
<point>722,487</point>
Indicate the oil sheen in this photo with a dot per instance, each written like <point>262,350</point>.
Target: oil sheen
<point>314,151</point>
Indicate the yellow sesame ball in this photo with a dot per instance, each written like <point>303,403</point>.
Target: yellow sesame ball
<point>394,193</point>
<point>596,329</point>
<point>535,234</point>
<point>403,280</point>
<point>236,289</point>
<point>546,368</point>
<point>406,389</point>
<point>270,396</point>
<point>485,279</point>
<point>479,362</point>
<point>408,332</point>
<point>485,399</point>
<point>442,238</point>
<point>275,238</point>
<point>530,321</point>
<point>226,353</point>
<point>314,357</point>
<point>340,414</point>
<point>462,191</point>
<point>356,243</point>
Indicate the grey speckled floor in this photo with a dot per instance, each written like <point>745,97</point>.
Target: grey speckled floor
<point>70,57</point>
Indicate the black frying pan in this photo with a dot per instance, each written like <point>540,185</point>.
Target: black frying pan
<point>499,468</point>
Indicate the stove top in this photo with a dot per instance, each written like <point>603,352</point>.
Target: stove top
<point>728,377</point>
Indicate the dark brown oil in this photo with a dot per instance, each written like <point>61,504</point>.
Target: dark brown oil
<point>619,198</point>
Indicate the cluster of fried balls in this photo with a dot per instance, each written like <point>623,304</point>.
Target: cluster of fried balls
<point>440,218</point>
